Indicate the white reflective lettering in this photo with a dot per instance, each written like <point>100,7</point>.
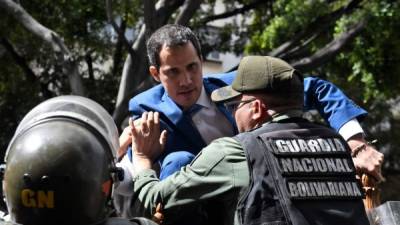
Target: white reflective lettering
<point>339,166</point>
<point>332,189</point>
<point>313,145</point>
<point>303,145</point>
<point>286,164</point>
<point>346,165</point>
<point>296,147</point>
<point>356,189</point>
<point>281,145</point>
<point>293,189</point>
<point>339,145</point>
<point>297,166</point>
<point>342,189</point>
<point>321,165</point>
<point>301,189</point>
<point>324,189</point>
<point>349,189</point>
<point>325,147</point>
<point>307,166</point>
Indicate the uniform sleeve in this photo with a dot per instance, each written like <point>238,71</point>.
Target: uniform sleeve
<point>210,175</point>
<point>331,103</point>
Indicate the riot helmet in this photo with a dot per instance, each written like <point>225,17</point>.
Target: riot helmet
<point>60,164</point>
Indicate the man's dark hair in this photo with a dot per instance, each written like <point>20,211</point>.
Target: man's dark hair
<point>171,35</point>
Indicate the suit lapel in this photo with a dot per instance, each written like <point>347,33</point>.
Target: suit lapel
<point>182,124</point>
<point>170,109</point>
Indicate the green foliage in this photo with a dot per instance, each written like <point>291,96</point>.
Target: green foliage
<point>83,27</point>
<point>366,69</point>
<point>376,53</point>
<point>17,96</point>
<point>289,17</point>
<point>371,59</point>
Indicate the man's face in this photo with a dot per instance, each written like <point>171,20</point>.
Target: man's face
<point>180,73</point>
<point>243,111</point>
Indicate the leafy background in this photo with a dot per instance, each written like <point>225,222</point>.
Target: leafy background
<point>366,66</point>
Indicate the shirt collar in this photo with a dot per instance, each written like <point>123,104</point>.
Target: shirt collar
<point>287,114</point>
<point>204,100</point>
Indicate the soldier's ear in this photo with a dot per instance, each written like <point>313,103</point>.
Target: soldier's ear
<point>254,109</point>
<point>257,108</point>
<point>154,73</point>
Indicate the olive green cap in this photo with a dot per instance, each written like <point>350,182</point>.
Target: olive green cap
<point>261,73</point>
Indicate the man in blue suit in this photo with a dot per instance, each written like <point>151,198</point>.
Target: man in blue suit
<point>191,120</point>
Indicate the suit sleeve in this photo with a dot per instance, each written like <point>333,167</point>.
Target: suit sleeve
<point>331,103</point>
<point>135,111</point>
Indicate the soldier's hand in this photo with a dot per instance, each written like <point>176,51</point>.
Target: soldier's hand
<point>147,140</point>
<point>366,158</point>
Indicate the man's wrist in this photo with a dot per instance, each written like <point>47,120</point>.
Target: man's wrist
<point>141,162</point>
<point>358,143</point>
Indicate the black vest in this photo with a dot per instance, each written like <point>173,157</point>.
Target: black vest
<point>124,221</point>
<point>300,174</point>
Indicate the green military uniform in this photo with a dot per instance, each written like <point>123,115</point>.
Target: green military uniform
<point>220,172</point>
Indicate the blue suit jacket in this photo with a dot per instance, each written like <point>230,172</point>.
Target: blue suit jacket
<point>321,95</point>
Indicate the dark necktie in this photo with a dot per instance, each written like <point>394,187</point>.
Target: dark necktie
<point>188,116</point>
<point>192,110</point>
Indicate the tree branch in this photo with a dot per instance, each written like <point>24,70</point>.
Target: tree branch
<point>236,11</point>
<point>329,51</point>
<point>187,11</point>
<point>20,60</point>
<point>165,9</point>
<point>299,50</point>
<point>117,29</point>
<point>117,56</point>
<point>30,75</point>
<point>134,71</point>
<point>316,27</point>
<point>63,55</point>
<point>150,18</point>
<point>89,62</point>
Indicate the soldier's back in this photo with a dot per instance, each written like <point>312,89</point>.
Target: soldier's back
<point>123,221</point>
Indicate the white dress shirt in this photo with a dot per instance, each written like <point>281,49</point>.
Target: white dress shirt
<point>209,121</point>
<point>350,129</point>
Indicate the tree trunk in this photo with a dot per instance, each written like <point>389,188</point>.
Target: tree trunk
<point>135,77</point>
